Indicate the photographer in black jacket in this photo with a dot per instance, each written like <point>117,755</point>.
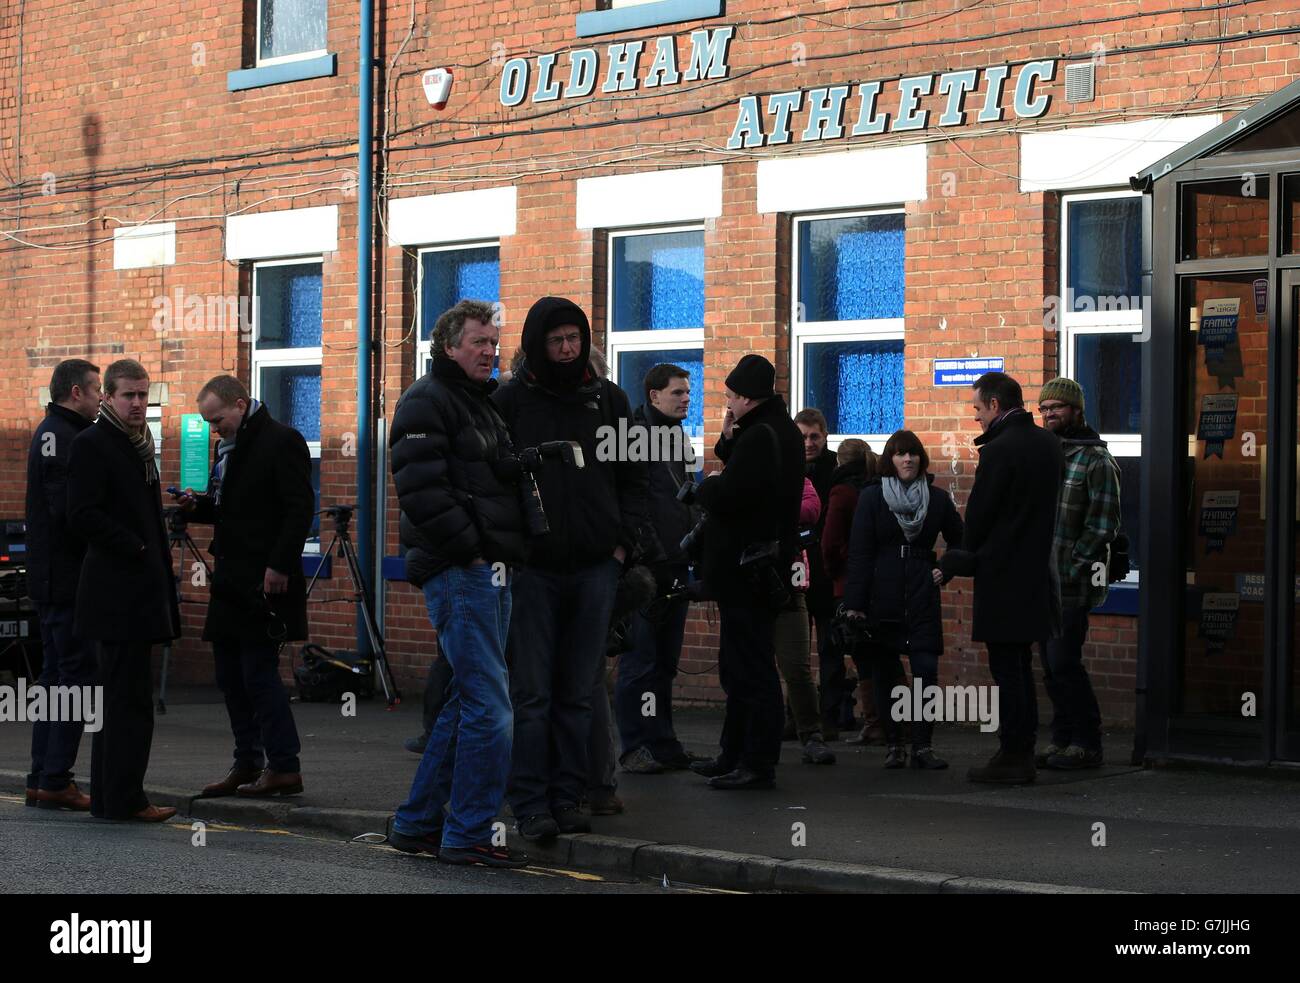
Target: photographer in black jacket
<point>462,524</point>
<point>261,506</point>
<point>564,596</point>
<point>650,744</point>
<point>54,555</point>
<point>753,503</point>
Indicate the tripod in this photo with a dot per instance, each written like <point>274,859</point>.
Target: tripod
<point>178,534</point>
<point>342,518</point>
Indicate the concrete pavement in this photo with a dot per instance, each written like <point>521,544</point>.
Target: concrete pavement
<point>848,827</point>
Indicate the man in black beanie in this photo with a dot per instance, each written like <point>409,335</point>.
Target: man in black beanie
<point>753,507</point>
<point>564,594</point>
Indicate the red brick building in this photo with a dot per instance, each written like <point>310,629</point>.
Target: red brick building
<point>855,191</point>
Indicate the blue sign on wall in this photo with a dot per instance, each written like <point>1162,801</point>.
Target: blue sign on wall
<point>963,371</point>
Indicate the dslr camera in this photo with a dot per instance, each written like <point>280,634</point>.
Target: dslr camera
<point>528,463</point>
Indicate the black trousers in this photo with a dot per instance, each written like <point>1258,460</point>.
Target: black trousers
<point>751,731</point>
<point>1076,717</point>
<point>1012,666</point>
<point>248,674</point>
<point>119,752</point>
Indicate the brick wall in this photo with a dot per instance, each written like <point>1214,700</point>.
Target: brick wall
<point>126,118</point>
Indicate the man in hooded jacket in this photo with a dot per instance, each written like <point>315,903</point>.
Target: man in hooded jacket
<point>564,596</point>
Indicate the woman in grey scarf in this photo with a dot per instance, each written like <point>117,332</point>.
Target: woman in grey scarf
<point>894,580</point>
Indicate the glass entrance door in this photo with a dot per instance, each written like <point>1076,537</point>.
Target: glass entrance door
<point>1288,742</point>
<point>1220,685</point>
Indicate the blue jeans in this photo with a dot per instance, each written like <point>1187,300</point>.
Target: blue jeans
<point>650,666</point>
<point>467,759</point>
<point>68,662</point>
<point>557,650</point>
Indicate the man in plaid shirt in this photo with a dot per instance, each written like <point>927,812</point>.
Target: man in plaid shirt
<point>1087,519</point>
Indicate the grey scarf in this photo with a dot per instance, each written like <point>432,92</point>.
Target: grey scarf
<point>909,503</point>
<point>141,441</point>
<point>224,446</point>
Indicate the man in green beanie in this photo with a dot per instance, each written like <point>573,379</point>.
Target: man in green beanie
<point>1087,519</point>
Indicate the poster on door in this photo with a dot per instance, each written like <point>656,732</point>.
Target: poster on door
<point>1218,518</point>
<point>1219,618</point>
<point>1218,336</point>
<point>1218,422</point>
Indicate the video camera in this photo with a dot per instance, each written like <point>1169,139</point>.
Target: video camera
<point>341,514</point>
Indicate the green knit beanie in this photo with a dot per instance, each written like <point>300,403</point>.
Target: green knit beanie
<point>1062,390</point>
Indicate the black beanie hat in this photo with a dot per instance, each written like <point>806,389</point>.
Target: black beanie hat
<point>754,377</point>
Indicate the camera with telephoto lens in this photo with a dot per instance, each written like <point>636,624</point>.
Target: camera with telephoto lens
<point>848,634</point>
<point>686,494</point>
<point>530,461</point>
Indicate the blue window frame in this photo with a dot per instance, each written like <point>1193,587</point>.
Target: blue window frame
<point>286,353</point>
<point>658,281</point>
<point>635,363</point>
<point>848,290</point>
<point>1100,312</point>
<point>448,275</point>
<point>656,304</point>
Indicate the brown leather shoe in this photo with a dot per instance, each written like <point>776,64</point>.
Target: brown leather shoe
<point>227,786</point>
<point>154,814</point>
<point>31,797</point>
<point>69,798</point>
<point>273,783</point>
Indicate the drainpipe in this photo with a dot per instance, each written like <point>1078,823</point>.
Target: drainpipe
<point>365,528</point>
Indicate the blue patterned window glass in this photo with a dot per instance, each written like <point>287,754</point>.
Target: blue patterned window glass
<point>291,27</point>
<point>314,535</point>
<point>448,276</point>
<point>289,306</point>
<point>1104,245</point>
<point>292,394</point>
<point>851,269</point>
<point>658,281</point>
<point>633,366</point>
<point>857,384</point>
<point>1109,368</point>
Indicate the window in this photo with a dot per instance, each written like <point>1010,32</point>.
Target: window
<point>286,354</point>
<point>290,30</point>
<point>1100,311</point>
<point>656,312</point>
<point>610,16</point>
<point>847,318</point>
<point>448,275</point>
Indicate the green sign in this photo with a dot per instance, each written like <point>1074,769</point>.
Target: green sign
<point>195,441</point>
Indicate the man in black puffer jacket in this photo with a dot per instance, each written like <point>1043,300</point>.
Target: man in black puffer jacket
<point>754,501</point>
<point>565,595</point>
<point>463,528</point>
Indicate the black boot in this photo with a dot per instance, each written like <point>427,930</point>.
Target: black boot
<point>1006,768</point>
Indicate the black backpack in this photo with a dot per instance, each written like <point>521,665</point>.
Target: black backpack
<point>325,676</point>
<point>1118,564</point>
